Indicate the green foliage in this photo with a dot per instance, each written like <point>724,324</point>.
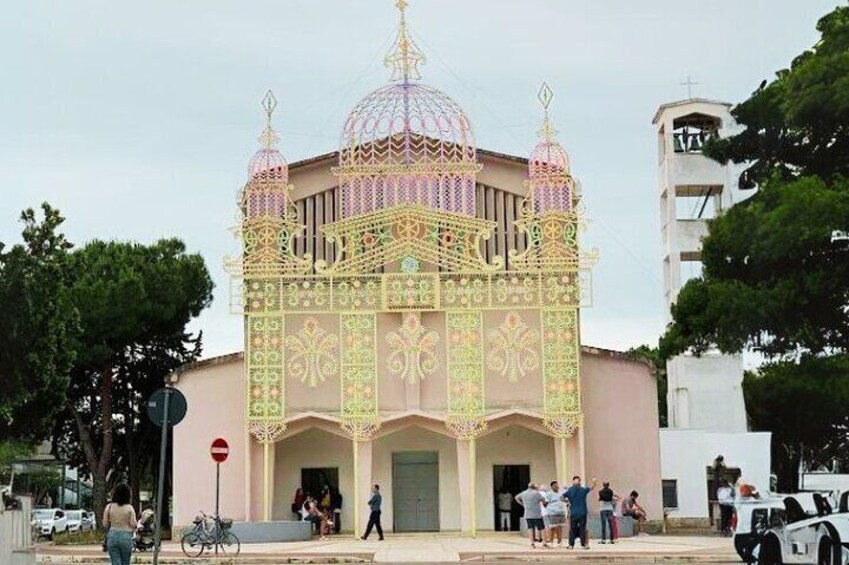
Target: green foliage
<point>40,482</point>
<point>773,280</point>
<point>806,407</point>
<point>135,302</point>
<point>653,356</point>
<point>798,125</point>
<point>37,325</point>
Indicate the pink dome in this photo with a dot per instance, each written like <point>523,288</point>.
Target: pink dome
<point>404,124</point>
<point>548,159</point>
<point>268,165</point>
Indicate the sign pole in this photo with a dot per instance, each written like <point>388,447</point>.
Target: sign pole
<point>163,450</point>
<point>217,493</point>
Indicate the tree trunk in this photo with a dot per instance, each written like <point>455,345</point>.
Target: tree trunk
<point>132,460</point>
<point>98,463</point>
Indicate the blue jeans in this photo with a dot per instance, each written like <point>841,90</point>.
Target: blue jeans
<point>606,524</point>
<point>119,545</point>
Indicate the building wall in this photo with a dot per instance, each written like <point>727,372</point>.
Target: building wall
<point>216,408</point>
<point>620,438</point>
<point>686,454</point>
<point>620,428</point>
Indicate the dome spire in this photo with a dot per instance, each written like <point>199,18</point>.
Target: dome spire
<point>404,56</point>
<point>268,139</point>
<point>545,96</point>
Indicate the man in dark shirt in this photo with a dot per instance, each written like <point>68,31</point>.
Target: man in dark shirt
<point>577,496</point>
<point>374,516</point>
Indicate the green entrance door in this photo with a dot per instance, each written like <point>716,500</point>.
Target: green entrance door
<point>415,491</point>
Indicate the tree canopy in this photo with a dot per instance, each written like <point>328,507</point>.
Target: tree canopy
<point>134,303</point>
<point>806,407</point>
<point>773,280</point>
<point>37,326</point>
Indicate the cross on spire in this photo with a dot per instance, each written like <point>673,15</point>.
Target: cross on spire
<point>689,83</point>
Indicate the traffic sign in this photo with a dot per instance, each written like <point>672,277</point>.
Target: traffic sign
<point>176,406</point>
<point>219,450</point>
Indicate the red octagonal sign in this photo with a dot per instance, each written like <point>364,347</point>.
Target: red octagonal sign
<point>219,450</point>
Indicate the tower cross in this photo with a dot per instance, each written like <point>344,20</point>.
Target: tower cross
<point>689,83</point>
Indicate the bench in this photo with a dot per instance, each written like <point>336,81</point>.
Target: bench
<point>269,532</point>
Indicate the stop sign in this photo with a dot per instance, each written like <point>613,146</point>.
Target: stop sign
<point>219,450</point>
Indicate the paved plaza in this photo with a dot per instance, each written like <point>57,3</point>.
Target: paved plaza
<point>439,548</point>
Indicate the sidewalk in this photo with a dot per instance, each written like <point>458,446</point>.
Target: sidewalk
<point>433,548</point>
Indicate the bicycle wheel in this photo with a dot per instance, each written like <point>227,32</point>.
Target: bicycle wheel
<point>230,544</point>
<point>192,544</point>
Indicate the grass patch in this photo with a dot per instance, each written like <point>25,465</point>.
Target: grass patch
<point>79,538</point>
<point>91,538</point>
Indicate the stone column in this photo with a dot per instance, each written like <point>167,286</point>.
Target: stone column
<point>561,460</point>
<point>465,476</point>
<point>362,485</point>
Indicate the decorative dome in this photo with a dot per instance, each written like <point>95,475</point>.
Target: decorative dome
<point>550,180</point>
<point>548,158</point>
<point>266,194</point>
<point>407,124</point>
<point>407,143</point>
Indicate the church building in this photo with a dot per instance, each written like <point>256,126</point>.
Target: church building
<point>412,310</point>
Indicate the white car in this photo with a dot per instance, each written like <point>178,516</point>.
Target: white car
<point>753,521</point>
<point>79,521</point>
<point>798,537</point>
<point>49,521</point>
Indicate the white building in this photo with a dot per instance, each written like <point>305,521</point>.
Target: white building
<point>706,410</point>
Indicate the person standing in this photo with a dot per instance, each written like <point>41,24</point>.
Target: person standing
<point>374,515</point>
<point>577,495</point>
<point>725,497</point>
<point>556,512</point>
<point>505,508</point>
<point>606,505</point>
<point>336,502</point>
<point>532,502</point>
<point>119,519</point>
<point>298,503</point>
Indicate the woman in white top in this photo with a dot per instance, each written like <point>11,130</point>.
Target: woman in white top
<point>119,519</point>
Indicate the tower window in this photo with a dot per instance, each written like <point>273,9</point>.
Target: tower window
<point>689,133</point>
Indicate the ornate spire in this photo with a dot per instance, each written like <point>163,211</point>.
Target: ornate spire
<point>545,97</point>
<point>268,139</point>
<point>404,56</point>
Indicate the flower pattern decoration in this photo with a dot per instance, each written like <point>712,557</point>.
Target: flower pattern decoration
<point>312,354</point>
<point>413,347</point>
<point>513,348</point>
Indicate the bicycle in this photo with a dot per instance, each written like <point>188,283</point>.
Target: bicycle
<point>212,533</point>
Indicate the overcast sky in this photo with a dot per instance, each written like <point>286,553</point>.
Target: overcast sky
<point>137,119</point>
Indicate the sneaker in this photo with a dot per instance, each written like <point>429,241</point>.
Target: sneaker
<point>585,547</point>
<point>570,547</point>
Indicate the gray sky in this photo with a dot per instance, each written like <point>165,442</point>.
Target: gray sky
<point>137,119</point>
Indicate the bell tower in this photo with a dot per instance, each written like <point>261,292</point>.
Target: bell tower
<point>704,392</point>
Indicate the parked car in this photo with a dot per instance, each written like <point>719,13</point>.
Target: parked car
<point>79,521</point>
<point>754,518</point>
<point>49,521</point>
<point>798,537</point>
